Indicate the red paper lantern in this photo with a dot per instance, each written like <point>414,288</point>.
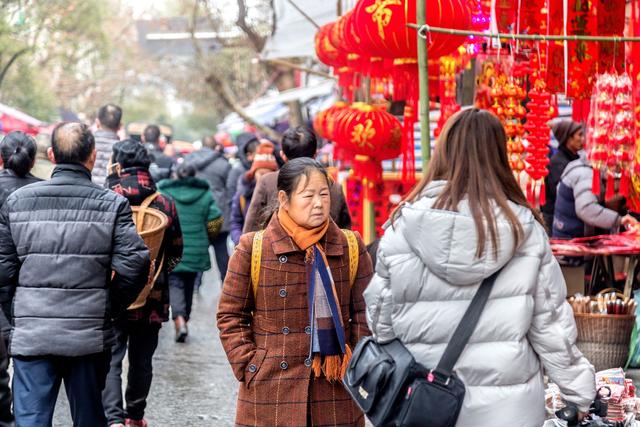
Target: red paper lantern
<point>367,130</point>
<point>382,26</point>
<point>326,51</point>
<point>325,121</point>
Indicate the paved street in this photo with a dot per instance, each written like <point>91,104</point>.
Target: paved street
<point>193,385</point>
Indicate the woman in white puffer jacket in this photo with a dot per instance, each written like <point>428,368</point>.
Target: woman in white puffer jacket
<point>466,220</point>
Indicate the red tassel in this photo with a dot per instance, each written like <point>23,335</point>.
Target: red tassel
<point>595,185</point>
<point>408,147</point>
<point>610,187</point>
<point>624,183</point>
<point>529,193</point>
<point>543,194</point>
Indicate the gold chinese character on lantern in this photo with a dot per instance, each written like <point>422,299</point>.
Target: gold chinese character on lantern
<point>363,133</point>
<point>381,13</point>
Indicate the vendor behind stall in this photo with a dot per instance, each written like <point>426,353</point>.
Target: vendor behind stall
<point>578,211</point>
<point>570,137</point>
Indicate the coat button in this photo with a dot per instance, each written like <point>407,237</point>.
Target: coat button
<point>307,362</point>
<point>283,259</point>
<point>252,368</point>
<point>284,365</point>
<point>307,330</point>
<point>283,293</point>
<point>285,331</point>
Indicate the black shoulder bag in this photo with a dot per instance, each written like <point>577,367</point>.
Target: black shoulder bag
<point>393,390</point>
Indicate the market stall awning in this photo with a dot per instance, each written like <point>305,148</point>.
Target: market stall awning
<point>294,35</point>
<point>12,120</point>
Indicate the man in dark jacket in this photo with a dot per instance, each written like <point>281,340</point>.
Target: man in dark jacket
<point>162,164</point>
<point>296,142</point>
<point>213,167</point>
<point>70,261</point>
<point>570,137</point>
<point>109,123</point>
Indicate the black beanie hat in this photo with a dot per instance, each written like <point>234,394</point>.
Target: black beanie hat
<point>563,130</point>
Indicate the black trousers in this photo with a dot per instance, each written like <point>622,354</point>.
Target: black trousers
<point>141,339</point>
<point>181,293</point>
<point>37,380</point>
<point>222,255</point>
<point>6,416</point>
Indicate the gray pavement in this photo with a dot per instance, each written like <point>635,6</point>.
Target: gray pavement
<point>193,385</point>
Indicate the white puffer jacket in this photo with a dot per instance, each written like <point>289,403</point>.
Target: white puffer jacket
<point>427,273</point>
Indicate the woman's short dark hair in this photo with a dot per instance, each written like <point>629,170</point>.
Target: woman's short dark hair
<point>292,172</point>
<point>18,152</point>
<point>185,170</point>
<point>299,142</point>
<point>130,154</point>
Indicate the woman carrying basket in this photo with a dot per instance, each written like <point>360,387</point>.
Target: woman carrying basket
<point>465,221</point>
<point>291,309</point>
<point>138,332</point>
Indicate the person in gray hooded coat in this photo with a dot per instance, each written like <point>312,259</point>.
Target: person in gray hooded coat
<point>465,221</point>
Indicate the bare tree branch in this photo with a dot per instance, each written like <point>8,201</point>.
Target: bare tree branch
<point>256,39</point>
<point>220,87</point>
<point>10,62</point>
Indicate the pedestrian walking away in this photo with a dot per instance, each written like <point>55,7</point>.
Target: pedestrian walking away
<point>137,330</point>
<point>200,221</point>
<point>296,143</point>
<point>60,241</point>
<point>467,220</point>
<point>18,154</point>
<point>161,164</point>
<point>263,163</point>
<point>214,168</point>
<point>291,309</point>
<point>109,122</point>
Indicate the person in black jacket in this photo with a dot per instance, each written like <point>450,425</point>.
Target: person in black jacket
<point>138,330</point>
<point>18,153</point>
<point>70,262</point>
<point>161,164</point>
<point>570,136</point>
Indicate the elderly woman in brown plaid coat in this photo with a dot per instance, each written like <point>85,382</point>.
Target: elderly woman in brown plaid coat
<point>292,309</point>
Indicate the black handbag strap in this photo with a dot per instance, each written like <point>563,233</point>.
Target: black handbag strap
<point>465,328</point>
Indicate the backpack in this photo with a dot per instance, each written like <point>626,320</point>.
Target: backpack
<point>256,258</point>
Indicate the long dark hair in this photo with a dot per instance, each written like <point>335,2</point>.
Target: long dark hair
<point>471,156</point>
<point>18,152</point>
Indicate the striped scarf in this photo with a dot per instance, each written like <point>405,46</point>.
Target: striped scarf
<point>328,349</point>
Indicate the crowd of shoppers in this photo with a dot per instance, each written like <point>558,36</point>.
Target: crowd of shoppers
<point>300,290</point>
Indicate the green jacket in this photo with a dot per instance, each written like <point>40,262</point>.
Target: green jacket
<point>200,220</point>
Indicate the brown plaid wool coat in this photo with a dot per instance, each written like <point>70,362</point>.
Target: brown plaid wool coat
<point>267,339</point>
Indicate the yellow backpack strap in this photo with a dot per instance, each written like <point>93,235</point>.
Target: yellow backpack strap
<point>354,255</point>
<point>256,259</point>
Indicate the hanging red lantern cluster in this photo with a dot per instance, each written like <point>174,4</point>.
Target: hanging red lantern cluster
<point>610,137</point>
<point>507,105</point>
<point>537,128</point>
<point>367,130</point>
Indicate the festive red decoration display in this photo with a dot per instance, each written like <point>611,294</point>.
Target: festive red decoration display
<point>610,136</point>
<point>447,91</point>
<point>537,128</point>
<point>368,130</point>
<point>507,105</point>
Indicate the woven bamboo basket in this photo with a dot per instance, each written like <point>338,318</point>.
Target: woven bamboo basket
<point>150,224</point>
<point>604,338</point>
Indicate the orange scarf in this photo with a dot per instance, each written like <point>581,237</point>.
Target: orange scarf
<point>305,238</point>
